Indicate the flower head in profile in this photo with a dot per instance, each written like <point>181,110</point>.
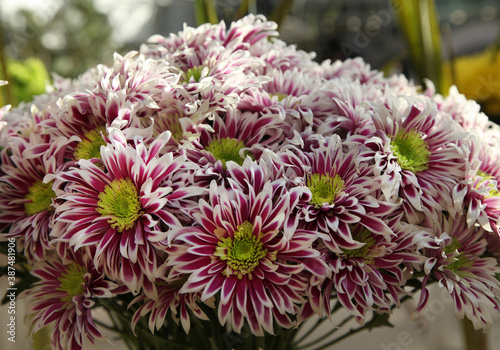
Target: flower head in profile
<point>63,297</point>
<point>478,195</point>
<point>123,208</point>
<point>354,69</point>
<point>26,200</point>
<point>350,113</point>
<point>237,250</point>
<point>182,306</point>
<point>371,277</point>
<point>465,112</point>
<point>456,259</point>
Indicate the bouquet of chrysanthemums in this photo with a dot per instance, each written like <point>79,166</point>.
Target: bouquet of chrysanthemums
<point>220,189</point>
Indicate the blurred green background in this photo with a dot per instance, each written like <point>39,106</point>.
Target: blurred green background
<point>447,41</point>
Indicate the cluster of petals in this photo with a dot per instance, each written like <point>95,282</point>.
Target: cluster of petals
<point>219,172</point>
<point>64,297</point>
<point>457,260</point>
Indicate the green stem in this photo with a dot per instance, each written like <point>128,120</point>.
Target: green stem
<point>496,46</point>
<point>474,339</point>
<point>106,326</point>
<point>144,339</point>
<point>241,11</point>
<point>342,337</point>
<point>211,13</point>
<point>205,12</point>
<point>312,329</point>
<point>199,9</point>
<point>418,20</point>
<point>327,334</point>
<point>281,11</point>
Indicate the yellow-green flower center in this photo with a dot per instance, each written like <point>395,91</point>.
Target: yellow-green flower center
<point>90,146</point>
<point>493,190</point>
<point>324,188</point>
<point>279,95</point>
<point>194,73</point>
<point>242,252</point>
<point>120,203</point>
<point>411,150</point>
<point>40,197</point>
<point>72,280</point>
<point>460,261</point>
<point>226,149</point>
<point>453,246</point>
<point>363,236</point>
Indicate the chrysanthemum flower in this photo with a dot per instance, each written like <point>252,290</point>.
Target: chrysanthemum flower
<point>338,191</point>
<point>222,168</point>
<point>213,71</point>
<point>126,93</point>
<point>241,35</point>
<point>292,96</point>
<point>181,305</point>
<point>120,206</point>
<point>354,69</point>
<point>350,114</point>
<point>63,297</point>
<point>277,54</point>
<point>465,112</point>
<point>478,193</point>
<point>458,263</point>
<point>237,250</point>
<point>419,156</point>
<point>371,277</point>
<point>234,137</point>
<point>84,118</point>
<point>26,201</point>
<point>25,120</point>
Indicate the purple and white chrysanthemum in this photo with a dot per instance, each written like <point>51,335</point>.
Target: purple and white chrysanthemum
<point>277,54</point>
<point>354,69</point>
<point>465,112</point>
<point>350,114</point>
<point>338,190</point>
<point>371,277</point>
<point>26,200</point>
<point>222,169</point>
<point>478,193</point>
<point>181,305</point>
<point>237,250</point>
<point>456,260</point>
<point>419,155</point>
<point>216,72</point>
<point>63,297</point>
<point>123,205</point>
<point>234,137</point>
<point>244,34</point>
<point>292,96</point>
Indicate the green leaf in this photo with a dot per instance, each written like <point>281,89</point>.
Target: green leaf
<point>418,20</point>
<point>379,320</point>
<point>205,12</point>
